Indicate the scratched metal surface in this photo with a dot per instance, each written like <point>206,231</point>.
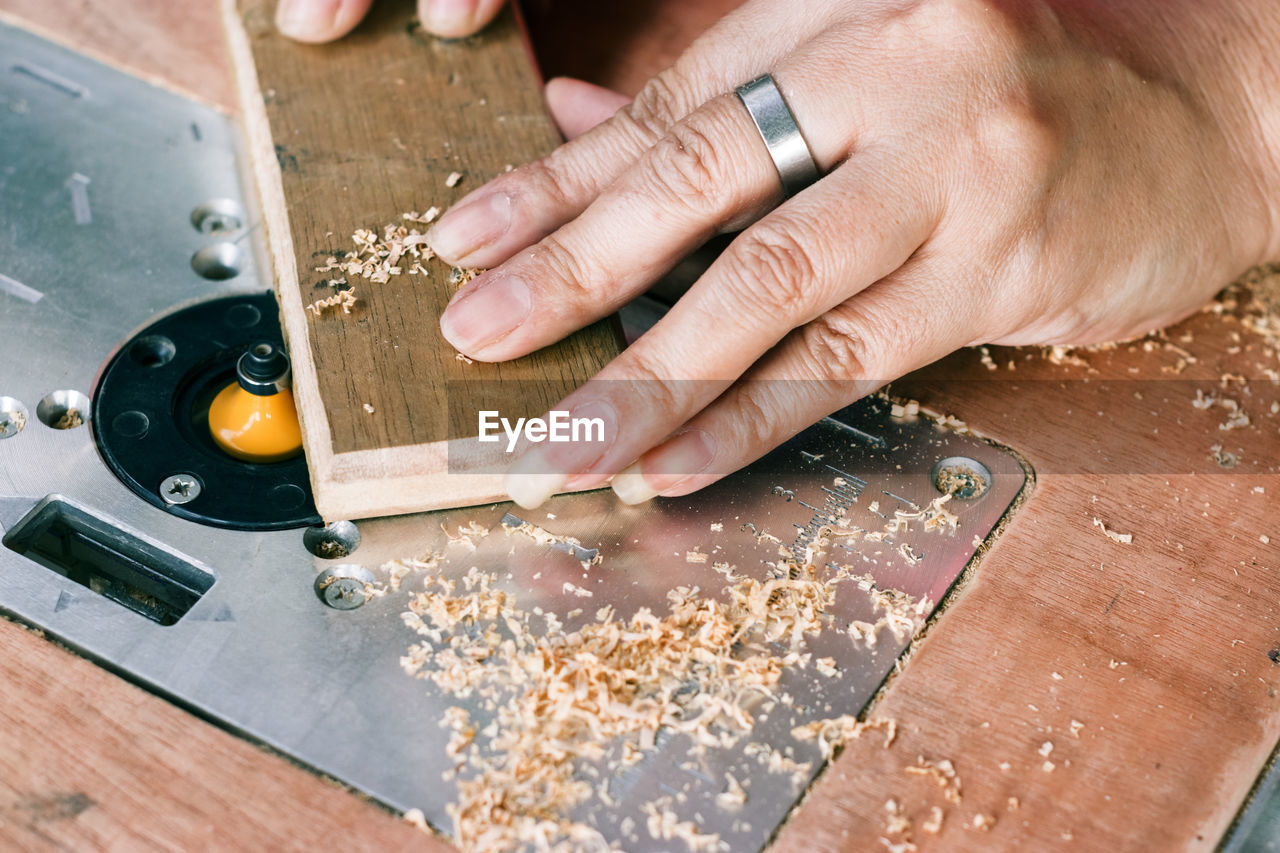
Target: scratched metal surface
<point>85,261</point>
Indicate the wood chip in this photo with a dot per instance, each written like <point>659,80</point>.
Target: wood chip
<point>1121,538</point>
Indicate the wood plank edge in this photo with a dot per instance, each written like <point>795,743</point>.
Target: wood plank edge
<point>269,187</point>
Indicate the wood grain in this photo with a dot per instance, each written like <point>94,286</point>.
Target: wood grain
<point>1159,648</point>
<point>349,136</point>
<point>90,762</point>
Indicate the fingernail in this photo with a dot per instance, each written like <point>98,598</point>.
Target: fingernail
<point>470,226</point>
<point>575,458</point>
<point>665,466</point>
<point>303,19</point>
<point>529,483</point>
<point>448,18</point>
<point>494,307</point>
<point>631,487</point>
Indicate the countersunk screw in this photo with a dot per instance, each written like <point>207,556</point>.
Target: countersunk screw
<point>179,489</point>
<point>344,587</point>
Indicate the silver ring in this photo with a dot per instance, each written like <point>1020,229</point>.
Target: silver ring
<point>777,125</point>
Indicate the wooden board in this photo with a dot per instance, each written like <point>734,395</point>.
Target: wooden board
<point>1173,736</point>
<point>90,762</point>
<point>1161,649</point>
<point>352,135</point>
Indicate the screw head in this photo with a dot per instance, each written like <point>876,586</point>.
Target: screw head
<point>344,587</point>
<point>179,489</point>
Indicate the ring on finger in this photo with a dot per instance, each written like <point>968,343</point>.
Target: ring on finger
<point>781,134</point>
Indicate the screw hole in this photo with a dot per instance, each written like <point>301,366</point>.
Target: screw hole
<point>219,261</point>
<point>152,351</point>
<point>63,410</point>
<point>961,477</point>
<point>13,417</point>
<point>218,217</point>
<point>332,541</point>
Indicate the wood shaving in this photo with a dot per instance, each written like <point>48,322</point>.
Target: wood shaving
<point>933,824</point>
<point>896,822</point>
<point>368,407</point>
<point>1224,458</point>
<point>983,822</point>
<point>943,772</point>
<point>70,419</point>
<point>832,734</point>
<point>908,409</point>
<point>573,589</point>
<point>459,276</point>
<point>695,557</point>
<point>344,299</point>
<point>1075,728</point>
<point>1119,538</point>
<point>733,797</point>
<point>453,179</point>
<point>664,825</point>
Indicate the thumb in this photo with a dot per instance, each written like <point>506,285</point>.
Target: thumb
<point>455,19</point>
<point>319,20</point>
<point>577,106</point>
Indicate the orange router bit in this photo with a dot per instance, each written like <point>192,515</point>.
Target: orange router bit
<point>254,418</point>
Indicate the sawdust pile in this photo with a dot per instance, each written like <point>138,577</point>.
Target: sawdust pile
<point>400,249</point>
<point>604,691</point>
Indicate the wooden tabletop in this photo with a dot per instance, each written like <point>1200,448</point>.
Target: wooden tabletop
<point>1145,666</point>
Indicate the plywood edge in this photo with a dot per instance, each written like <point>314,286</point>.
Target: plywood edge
<point>399,480</point>
<point>316,430</point>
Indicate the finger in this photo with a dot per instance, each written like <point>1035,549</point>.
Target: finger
<point>319,20</point>
<point>898,325</point>
<point>577,106</point>
<point>455,19</point>
<point>522,206</point>
<point>781,273</point>
<point>706,170</point>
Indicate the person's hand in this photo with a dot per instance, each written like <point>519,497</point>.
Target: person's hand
<point>326,20</point>
<point>995,172</point>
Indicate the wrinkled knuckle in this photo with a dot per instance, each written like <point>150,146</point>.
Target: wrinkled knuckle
<point>1018,138</point>
<point>835,348</point>
<point>549,179</point>
<point>648,383</point>
<point>688,168</point>
<point>757,415</point>
<point>657,106</point>
<point>573,278</point>
<point>775,265</point>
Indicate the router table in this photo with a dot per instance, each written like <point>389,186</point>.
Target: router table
<point>1099,666</point>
